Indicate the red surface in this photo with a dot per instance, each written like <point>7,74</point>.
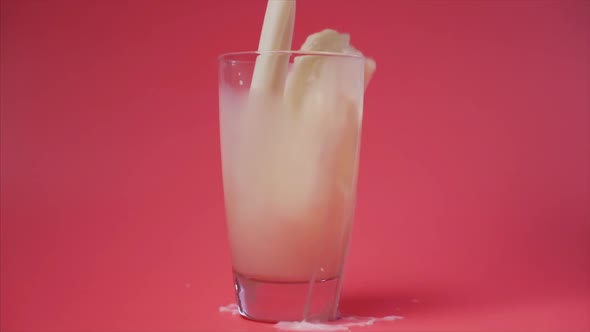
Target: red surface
<point>474,191</point>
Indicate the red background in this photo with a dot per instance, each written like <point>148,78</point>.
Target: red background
<point>474,188</point>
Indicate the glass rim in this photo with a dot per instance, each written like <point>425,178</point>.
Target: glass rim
<point>229,55</point>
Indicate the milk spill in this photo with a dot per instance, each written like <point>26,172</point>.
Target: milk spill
<point>343,324</point>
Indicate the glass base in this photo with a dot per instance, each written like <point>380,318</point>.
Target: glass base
<point>268,301</point>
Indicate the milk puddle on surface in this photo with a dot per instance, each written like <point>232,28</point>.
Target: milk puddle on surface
<point>342,324</point>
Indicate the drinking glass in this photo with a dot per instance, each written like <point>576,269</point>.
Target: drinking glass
<point>290,157</point>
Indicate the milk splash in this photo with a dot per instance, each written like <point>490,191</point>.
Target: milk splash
<point>231,308</point>
<point>343,324</point>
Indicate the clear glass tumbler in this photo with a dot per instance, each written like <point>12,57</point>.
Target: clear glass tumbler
<point>290,150</point>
